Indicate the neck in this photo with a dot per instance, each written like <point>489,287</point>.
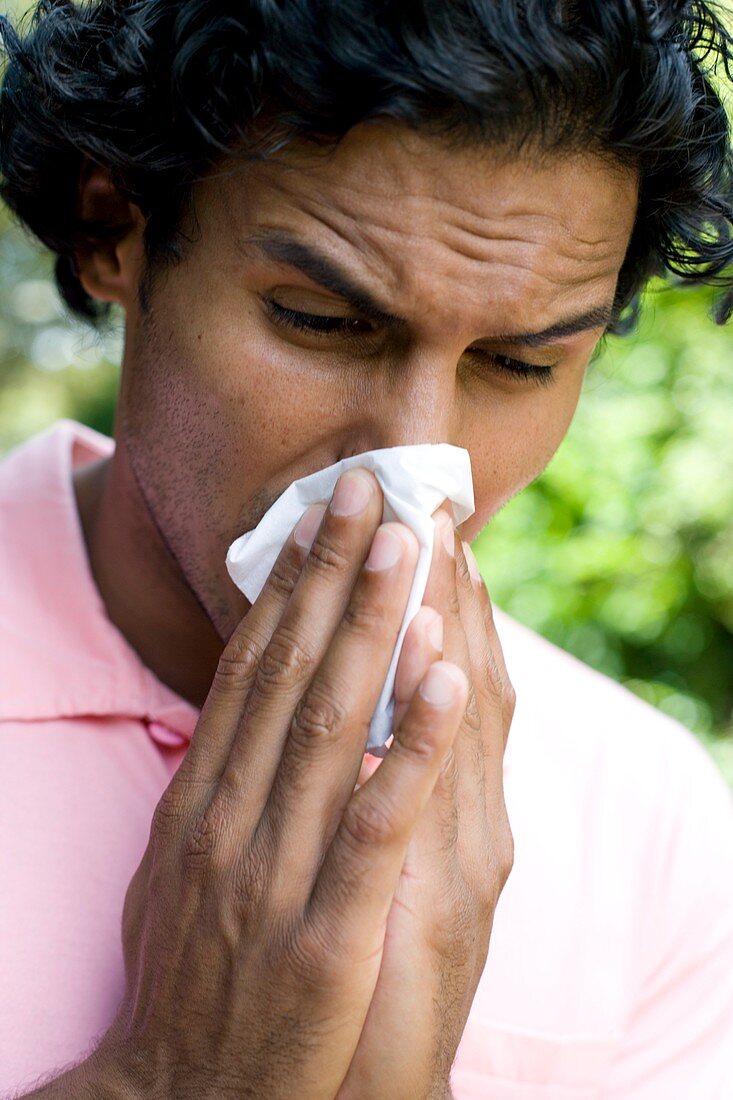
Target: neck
<point>144,591</point>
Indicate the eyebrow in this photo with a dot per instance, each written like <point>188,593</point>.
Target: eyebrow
<point>284,249</point>
<point>597,317</point>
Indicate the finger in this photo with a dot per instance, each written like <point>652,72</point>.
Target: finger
<point>209,747</point>
<point>457,814</point>
<point>455,834</point>
<point>300,641</point>
<point>423,644</point>
<point>508,694</point>
<point>442,593</point>
<point>325,744</point>
<point>490,853</point>
<point>486,676</point>
<point>355,887</point>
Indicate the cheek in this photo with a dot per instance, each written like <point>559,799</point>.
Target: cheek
<point>223,412</point>
<point>513,443</point>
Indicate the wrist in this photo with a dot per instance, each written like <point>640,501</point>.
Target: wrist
<point>103,1078</point>
<point>93,1079</point>
<point>114,1073</point>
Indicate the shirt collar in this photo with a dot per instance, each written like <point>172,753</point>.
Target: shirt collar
<point>60,654</point>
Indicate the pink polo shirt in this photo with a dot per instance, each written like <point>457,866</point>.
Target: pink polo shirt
<point>610,972</point>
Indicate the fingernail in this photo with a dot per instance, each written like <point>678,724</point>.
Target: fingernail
<point>307,526</point>
<point>352,493</point>
<point>435,633</point>
<point>472,564</point>
<point>440,685</point>
<point>386,550</point>
<point>447,532</point>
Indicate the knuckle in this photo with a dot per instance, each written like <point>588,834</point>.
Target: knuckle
<point>484,886</point>
<point>509,701</point>
<point>493,681</point>
<point>254,873</point>
<point>462,572</point>
<point>449,770</point>
<point>326,558</point>
<point>471,723</point>
<point>452,917</point>
<point>314,962</point>
<point>414,744</point>
<point>367,822</point>
<point>452,602</point>
<point>492,872</point>
<point>318,720</point>
<point>505,853</point>
<point>237,664</point>
<point>499,689</point>
<point>453,911</point>
<point>284,575</point>
<point>484,898</point>
<point>170,814</point>
<point>365,615</point>
<point>229,790</point>
<point>201,846</point>
<point>208,842</point>
<point>285,661</point>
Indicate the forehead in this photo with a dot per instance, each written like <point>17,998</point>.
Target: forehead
<point>440,231</point>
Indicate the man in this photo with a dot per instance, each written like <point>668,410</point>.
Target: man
<point>334,228</point>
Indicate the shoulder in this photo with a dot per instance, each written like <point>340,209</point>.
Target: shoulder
<point>619,809</point>
<point>611,958</point>
<point>576,720</point>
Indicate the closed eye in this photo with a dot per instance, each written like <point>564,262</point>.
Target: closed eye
<point>517,368</point>
<point>323,325</point>
<point>316,322</point>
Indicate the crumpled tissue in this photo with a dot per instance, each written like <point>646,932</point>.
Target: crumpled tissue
<point>415,480</point>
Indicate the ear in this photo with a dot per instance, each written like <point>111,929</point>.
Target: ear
<point>109,269</point>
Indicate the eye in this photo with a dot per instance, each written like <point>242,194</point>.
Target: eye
<point>322,325</point>
<point>517,368</point>
<point>318,323</point>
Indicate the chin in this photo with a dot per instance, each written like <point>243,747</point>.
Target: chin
<point>228,610</point>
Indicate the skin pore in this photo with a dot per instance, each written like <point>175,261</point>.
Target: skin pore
<point>424,274</point>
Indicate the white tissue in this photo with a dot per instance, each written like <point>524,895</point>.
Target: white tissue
<point>415,480</point>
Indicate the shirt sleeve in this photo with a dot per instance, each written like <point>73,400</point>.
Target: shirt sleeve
<point>678,1043</point>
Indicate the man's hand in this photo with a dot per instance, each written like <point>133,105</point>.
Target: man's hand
<point>457,862</point>
<point>254,928</point>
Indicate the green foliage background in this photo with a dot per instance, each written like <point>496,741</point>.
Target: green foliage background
<point>622,552</point>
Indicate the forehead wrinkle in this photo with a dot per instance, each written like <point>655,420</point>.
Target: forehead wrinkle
<point>487,239</point>
<point>561,244</point>
<point>433,209</point>
<point>391,256</point>
<point>516,226</point>
<point>464,294</point>
<point>501,294</point>
<point>376,260</point>
<point>522,269</point>
<point>480,247</point>
<point>541,259</point>
<point>345,223</point>
<point>380,245</point>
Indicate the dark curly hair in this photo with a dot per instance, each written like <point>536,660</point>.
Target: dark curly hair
<point>159,91</point>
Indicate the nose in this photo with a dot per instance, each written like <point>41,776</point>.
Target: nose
<point>418,404</point>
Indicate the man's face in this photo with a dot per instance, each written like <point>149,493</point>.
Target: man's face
<point>421,273</point>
